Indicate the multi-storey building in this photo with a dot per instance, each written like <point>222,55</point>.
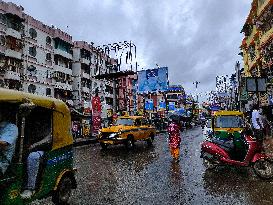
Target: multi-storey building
<point>38,55</point>
<point>82,56</point>
<point>44,60</point>
<point>257,45</point>
<point>126,96</point>
<point>175,95</point>
<point>11,45</point>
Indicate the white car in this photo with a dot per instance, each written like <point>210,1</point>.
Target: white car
<point>207,129</point>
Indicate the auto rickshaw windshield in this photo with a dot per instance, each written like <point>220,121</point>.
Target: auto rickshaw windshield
<point>228,122</point>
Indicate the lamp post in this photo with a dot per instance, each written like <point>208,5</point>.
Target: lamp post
<point>196,83</point>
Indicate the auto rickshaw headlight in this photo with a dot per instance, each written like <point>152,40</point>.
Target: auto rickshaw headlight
<point>119,133</point>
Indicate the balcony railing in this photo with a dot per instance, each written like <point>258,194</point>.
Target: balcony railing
<point>85,61</point>
<point>85,75</point>
<point>13,33</point>
<point>266,36</point>
<point>12,75</point>
<point>63,53</point>
<point>63,86</point>
<point>63,69</point>
<point>13,54</point>
<point>262,5</point>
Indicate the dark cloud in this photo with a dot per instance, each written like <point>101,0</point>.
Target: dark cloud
<point>197,39</point>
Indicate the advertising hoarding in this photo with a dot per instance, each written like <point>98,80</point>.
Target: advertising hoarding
<point>153,80</point>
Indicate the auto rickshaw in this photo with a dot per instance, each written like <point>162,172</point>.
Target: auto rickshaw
<point>228,125</point>
<point>56,176</point>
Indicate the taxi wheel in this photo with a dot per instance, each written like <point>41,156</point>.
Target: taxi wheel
<point>103,145</point>
<point>62,195</point>
<point>130,143</point>
<point>150,140</point>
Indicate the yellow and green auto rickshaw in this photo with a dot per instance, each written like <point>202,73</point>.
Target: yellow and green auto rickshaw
<point>56,175</point>
<point>227,125</point>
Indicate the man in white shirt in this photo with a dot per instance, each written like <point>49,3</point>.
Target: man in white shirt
<point>257,123</point>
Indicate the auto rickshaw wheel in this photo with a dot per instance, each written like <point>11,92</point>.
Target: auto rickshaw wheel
<point>150,140</point>
<point>263,169</point>
<point>130,143</point>
<point>62,195</point>
<point>103,145</point>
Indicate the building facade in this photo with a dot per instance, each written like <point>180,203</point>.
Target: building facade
<point>257,47</point>
<point>44,60</point>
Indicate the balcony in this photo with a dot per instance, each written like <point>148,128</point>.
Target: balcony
<point>63,86</point>
<point>265,37</point>
<point>12,75</point>
<point>13,33</point>
<point>63,69</point>
<point>63,53</point>
<point>85,75</point>
<point>262,6</point>
<point>2,49</point>
<point>250,38</point>
<point>13,54</point>
<point>85,90</point>
<point>85,61</point>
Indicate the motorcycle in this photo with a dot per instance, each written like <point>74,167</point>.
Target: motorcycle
<point>215,154</point>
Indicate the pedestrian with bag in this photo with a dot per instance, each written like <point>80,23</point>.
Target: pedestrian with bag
<point>174,138</point>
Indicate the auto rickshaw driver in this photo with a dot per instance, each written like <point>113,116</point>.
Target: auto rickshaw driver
<point>8,138</point>
<point>42,130</point>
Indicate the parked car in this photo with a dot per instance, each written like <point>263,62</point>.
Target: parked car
<point>127,130</point>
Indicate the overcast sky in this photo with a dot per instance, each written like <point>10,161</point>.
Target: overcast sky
<point>196,39</point>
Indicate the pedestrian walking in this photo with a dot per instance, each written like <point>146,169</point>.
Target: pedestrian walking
<point>266,124</point>
<point>174,138</point>
<point>257,124</point>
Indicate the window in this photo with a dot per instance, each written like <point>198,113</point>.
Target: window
<point>48,56</point>
<point>31,88</point>
<point>32,51</point>
<point>32,33</point>
<point>48,40</point>
<point>48,91</point>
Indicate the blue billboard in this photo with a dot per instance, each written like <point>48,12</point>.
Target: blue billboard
<point>149,105</point>
<point>171,106</point>
<point>153,80</point>
<point>162,105</point>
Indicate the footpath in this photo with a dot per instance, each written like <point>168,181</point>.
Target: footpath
<point>81,141</point>
<point>84,141</point>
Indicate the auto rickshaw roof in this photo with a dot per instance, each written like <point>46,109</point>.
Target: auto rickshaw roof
<point>228,112</point>
<point>130,117</point>
<point>7,95</point>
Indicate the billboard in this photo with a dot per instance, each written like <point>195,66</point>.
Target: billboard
<point>153,80</point>
<point>149,105</point>
<point>171,106</point>
<point>161,105</point>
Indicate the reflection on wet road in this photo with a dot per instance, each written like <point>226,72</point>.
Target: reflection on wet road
<point>148,176</point>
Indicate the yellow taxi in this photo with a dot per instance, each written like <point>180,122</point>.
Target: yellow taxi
<point>126,130</point>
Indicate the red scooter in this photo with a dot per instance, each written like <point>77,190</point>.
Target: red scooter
<point>214,154</point>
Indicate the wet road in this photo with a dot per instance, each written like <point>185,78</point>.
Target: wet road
<point>148,176</point>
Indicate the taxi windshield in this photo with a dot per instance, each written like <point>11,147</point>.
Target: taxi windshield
<point>228,122</point>
<point>124,121</point>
